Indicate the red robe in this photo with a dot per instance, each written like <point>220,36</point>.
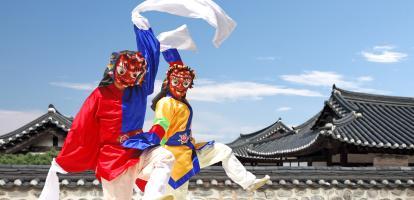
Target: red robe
<point>92,142</point>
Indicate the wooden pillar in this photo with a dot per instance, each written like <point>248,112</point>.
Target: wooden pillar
<point>328,158</point>
<point>344,156</point>
<point>344,159</point>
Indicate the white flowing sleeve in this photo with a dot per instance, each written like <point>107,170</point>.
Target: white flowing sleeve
<point>201,9</point>
<point>51,188</point>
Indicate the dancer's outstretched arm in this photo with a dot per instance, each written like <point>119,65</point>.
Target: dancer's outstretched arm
<point>149,46</point>
<point>81,147</point>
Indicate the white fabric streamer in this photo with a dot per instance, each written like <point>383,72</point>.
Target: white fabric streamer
<point>203,9</point>
<point>140,21</point>
<point>51,189</point>
<point>179,38</point>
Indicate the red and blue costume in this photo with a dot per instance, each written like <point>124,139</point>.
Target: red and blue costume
<point>93,142</point>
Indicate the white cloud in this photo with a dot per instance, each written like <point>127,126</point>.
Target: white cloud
<point>266,58</point>
<point>75,86</point>
<point>208,126</point>
<point>365,79</point>
<point>383,54</point>
<point>11,120</point>
<point>284,108</point>
<point>315,78</point>
<point>384,57</point>
<point>236,90</point>
<point>202,81</point>
<point>327,79</point>
<point>211,91</point>
<point>383,47</point>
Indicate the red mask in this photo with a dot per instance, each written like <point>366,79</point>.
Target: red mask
<point>130,69</point>
<point>178,82</point>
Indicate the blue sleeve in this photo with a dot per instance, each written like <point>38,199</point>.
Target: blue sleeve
<point>149,46</point>
<point>172,56</point>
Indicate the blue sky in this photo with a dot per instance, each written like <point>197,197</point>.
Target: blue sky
<point>280,61</point>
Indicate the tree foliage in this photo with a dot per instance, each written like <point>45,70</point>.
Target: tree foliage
<point>29,158</point>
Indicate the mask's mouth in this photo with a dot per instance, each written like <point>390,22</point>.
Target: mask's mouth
<point>126,83</point>
<point>180,93</point>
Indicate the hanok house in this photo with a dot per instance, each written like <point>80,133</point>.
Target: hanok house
<point>359,146</point>
<point>47,131</point>
<point>352,129</point>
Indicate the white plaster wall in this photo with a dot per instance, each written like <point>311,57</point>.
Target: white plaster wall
<point>232,193</point>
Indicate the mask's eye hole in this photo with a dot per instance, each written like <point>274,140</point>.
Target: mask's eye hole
<point>174,81</point>
<point>186,83</point>
<point>121,70</point>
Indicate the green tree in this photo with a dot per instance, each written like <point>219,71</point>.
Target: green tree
<point>29,158</point>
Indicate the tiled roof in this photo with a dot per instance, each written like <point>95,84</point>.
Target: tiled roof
<point>294,142</point>
<point>272,132</point>
<point>361,119</point>
<point>214,176</point>
<point>29,131</point>
<point>297,139</point>
<point>373,120</point>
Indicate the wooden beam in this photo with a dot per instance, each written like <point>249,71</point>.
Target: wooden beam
<point>31,140</point>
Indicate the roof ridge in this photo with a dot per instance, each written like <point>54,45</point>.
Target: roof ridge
<point>250,147</point>
<point>51,116</point>
<point>271,139</point>
<point>260,135</point>
<point>279,121</point>
<point>337,95</point>
<point>25,126</point>
<point>346,119</point>
<point>307,122</point>
<point>332,107</point>
<point>374,97</point>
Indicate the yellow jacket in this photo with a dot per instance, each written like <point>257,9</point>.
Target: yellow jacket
<point>175,117</point>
